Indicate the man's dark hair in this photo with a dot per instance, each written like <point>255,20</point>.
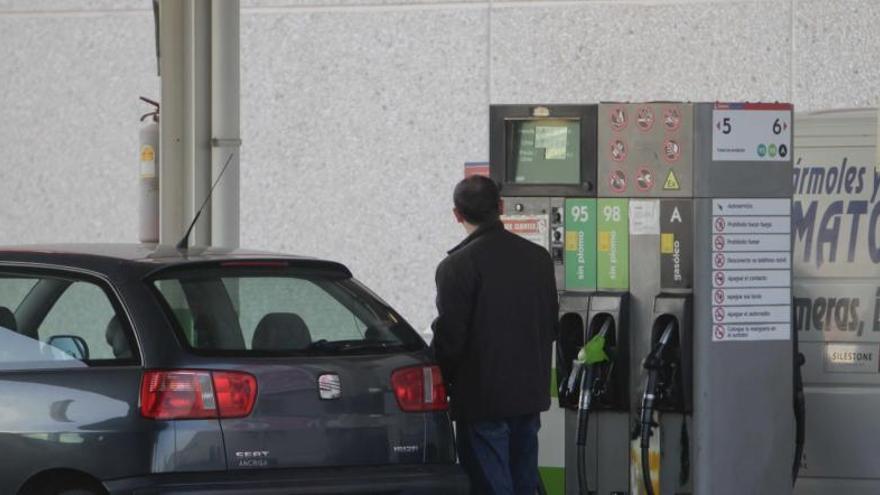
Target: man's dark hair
<point>476,199</point>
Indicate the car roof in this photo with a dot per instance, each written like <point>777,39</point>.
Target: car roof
<point>149,256</point>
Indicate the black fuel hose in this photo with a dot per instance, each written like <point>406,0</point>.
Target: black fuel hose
<point>583,419</point>
<point>589,377</point>
<point>653,363</point>
<point>647,423</point>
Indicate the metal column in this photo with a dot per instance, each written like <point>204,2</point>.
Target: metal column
<point>199,128</point>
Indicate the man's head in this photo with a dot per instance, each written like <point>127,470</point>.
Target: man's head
<point>477,201</point>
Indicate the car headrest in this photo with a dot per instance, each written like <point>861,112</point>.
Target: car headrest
<point>281,332</point>
<point>7,319</point>
<point>116,338</point>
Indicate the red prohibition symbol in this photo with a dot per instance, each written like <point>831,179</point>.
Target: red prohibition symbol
<point>645,118</point>
<point>720,223</point>
<point>719,243</point>
<point>645,180</point>
<point>671,119</point>
<point>719,314</point>
<point>719,332</point>
<point>719,278</point>
<point>617,150</point>
<point>671,151</point>
<point>719,296</point>
<point>617,117</point>
<point>719,260</point>
<point>617,181</point>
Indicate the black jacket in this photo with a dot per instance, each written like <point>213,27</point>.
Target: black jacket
<point>497,313</point>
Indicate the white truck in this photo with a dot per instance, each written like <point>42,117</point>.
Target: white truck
<point>836,261</point>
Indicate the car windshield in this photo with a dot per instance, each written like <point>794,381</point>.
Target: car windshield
<point>280,311</point>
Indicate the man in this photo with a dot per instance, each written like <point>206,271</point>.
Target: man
<point>497,313</point>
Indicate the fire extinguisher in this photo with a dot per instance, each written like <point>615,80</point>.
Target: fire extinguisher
<point>148,187</point>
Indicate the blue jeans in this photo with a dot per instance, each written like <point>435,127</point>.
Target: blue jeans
<point>500,457</point>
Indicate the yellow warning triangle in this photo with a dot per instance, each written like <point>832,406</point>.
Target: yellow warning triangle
<point>671,183</point>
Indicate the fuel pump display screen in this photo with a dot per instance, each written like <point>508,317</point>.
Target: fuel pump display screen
<point>546,151</point>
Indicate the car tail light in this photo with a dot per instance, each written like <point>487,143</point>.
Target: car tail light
<point>197,394</point>
<point>419,389</point>
<point>236,393</point>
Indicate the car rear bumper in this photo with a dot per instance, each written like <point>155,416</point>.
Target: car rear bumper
<point>437,479</point>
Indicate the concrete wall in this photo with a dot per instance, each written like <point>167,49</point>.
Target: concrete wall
<point>357,115</point>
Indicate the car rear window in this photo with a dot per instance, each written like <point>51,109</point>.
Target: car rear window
<point>279,311</point>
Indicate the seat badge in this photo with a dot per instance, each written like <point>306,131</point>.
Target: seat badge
<point>329,386</point>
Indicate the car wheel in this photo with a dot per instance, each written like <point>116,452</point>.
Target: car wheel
<point>76,491</point>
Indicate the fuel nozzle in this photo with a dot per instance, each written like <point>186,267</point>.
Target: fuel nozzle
<point>654,364</point>
<point>593,359</point>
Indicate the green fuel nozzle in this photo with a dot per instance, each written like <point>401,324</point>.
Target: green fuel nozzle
<point>590,358</point>
<point>593,351</point>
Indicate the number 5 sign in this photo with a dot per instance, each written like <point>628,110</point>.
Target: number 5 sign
<point>751,132</point>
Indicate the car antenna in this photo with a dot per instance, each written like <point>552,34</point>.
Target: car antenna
<point>184,243</point>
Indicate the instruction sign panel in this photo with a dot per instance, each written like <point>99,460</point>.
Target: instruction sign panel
<point>531,227</point>
<point>751,132</point>
<point>644,217</point>
<point>751,269</point>
<point>676,244</point>
<point>580,244</point>
<point>612,244</point>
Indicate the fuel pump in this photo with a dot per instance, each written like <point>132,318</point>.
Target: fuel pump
<point>670,228</point>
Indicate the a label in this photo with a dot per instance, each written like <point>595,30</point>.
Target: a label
<point>751,207</point>
<point>751,225</point>
<point>612,244</point>
<point>580,244</point>
<point>763,331</point>
<point>751,242</point>
<point>751,132</point>
<point>751,261</point>
<point>148,162</point>
<point>531,227</point>
<point>644,217</point>
<point>851,358</point>
<point>751,269</point>
<point>749,314</point>
<point>676,244</point>
<point>733,279</point>
<point>751,297</point>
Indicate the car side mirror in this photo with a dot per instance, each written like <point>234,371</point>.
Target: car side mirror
<point>72,345</point>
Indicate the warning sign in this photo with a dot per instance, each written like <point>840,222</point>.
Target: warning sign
<point>532,227</point>
<point>671,183</point>
<point>676,244</point>
<point>751,269</point>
